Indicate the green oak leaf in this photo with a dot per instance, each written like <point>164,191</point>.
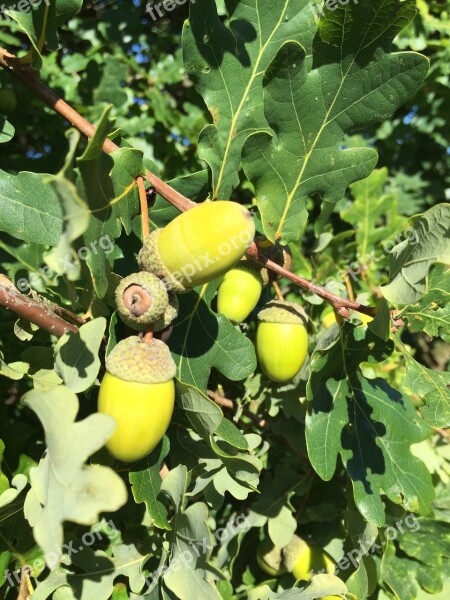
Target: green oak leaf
<point>107,184</point>
<point>146,484</point>
<point>202,412</point>
<point>411,260</point>
<point>6,130</point>
<point>203,340</point>
<point>432,313</point>
<point>422,562</point>
<point>351,80</point>
<point>227,65</point>
<point>373,213</point>
<point>188,571</point>
<point>99,570</point>
<point>368,423</point>
<point>432,387</point>
<point>63,488</point>
<point>76,355</point>
<point>29,208</point>
<point>41,20</point>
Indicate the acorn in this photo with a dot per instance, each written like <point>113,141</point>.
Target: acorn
<point>281,340</point>
<point>199,245</point>
<point>240,290</point>
<point>141,299</point>
<point>138,391</point>
<point>304,560</point>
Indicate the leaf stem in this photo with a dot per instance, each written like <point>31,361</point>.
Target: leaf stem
<point>145,222</point>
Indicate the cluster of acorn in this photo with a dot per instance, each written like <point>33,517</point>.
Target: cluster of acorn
<point>197,247</point>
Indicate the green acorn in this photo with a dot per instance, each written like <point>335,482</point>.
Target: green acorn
<point>138,392</point>
<point>281,340</point>
<point>240,290</point>
<point>142,299</point>
<point>199,245</point>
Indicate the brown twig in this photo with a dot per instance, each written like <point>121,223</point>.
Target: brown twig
<point>339,304</point>
<point>145,223</point>
<point>220,400</point>
<point>38,312</point>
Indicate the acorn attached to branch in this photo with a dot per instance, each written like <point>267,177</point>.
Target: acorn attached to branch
<point>141,300</point>
<point>281,340</point>
<point>199,245</point>
<point>240,290</point>
<point>138,391</point>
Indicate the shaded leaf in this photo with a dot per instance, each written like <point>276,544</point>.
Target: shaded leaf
<point>409,263</point>
<point>76,355</point>
<point>146,484</point>
<point>369,424</point>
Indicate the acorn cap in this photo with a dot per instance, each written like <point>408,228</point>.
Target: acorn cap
<point>277,311</point>
<point>141,299</point>
<point>132,359</point>
<point>170,314</point>
<point>150,260</point>
<point>248,265</point>
<point>293,551</point>
<point>275,252</point>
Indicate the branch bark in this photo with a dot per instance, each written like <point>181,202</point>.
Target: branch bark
<point>37,312</point>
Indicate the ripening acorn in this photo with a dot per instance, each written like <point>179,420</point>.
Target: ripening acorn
<point>240,290</point>
<point>281,340</point>
<point>304,560</point>
<point>199,245</point>
<point>138,391</point>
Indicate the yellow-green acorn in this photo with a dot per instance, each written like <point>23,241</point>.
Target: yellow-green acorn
<point>141,299</point>
<point>240,290</point>
<point>281,340</point>
<point>199,245</point>
<point>138,391</point>
<point>304,560</point>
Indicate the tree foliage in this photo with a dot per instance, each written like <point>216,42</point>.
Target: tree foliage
<point>332,124</point>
